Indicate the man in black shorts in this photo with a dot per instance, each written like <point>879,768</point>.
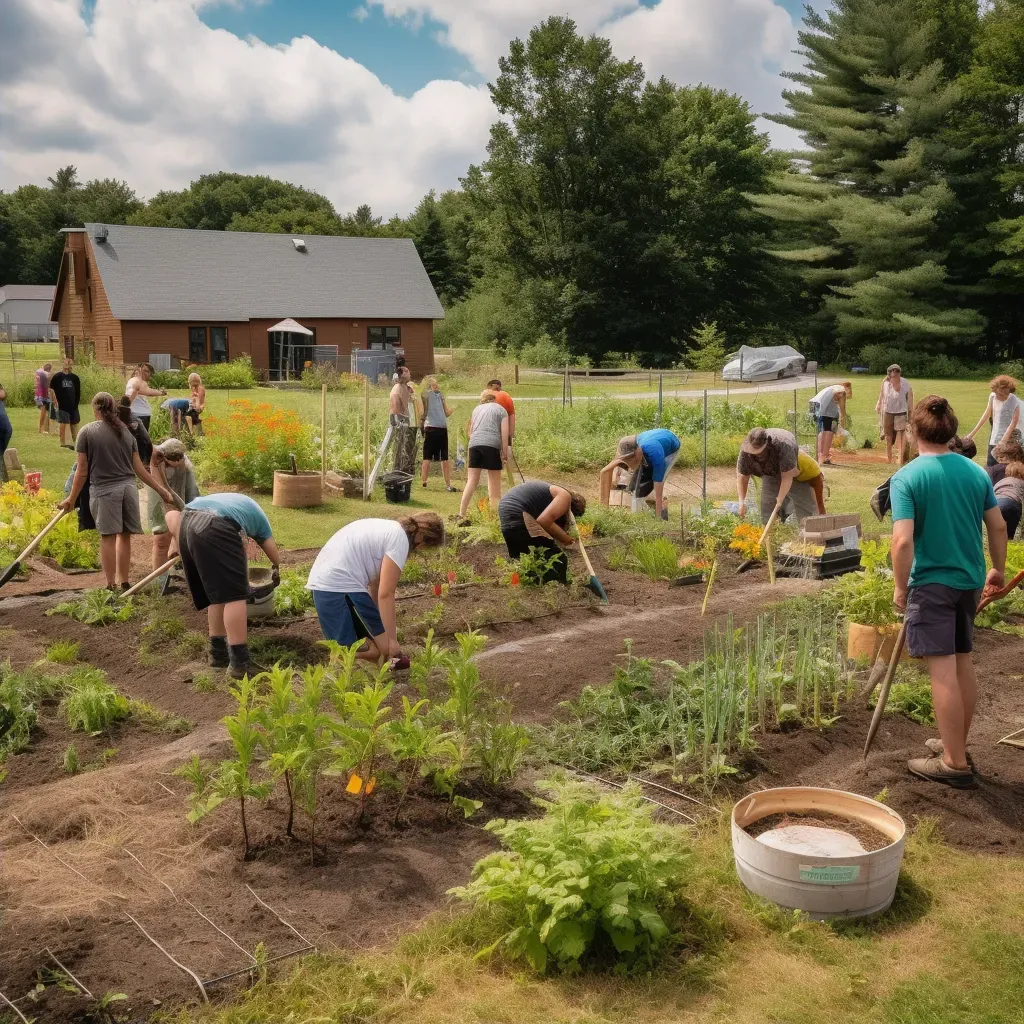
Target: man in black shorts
<point>534,516</point>
<point>66,393</point>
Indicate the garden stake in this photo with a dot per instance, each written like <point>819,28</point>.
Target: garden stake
<point>883,695</point>
<point>711,582</point>
<point>14,1008</point>
<point>155,574</point>
<point>280,918</point>
<point>255,967</point>
<point>1011,740</point>
<point>12,569</point>
<point>192,974</point>
<point>516,461</point>
<point>594,585</point>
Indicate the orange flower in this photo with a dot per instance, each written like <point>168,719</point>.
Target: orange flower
<point>239,455</point>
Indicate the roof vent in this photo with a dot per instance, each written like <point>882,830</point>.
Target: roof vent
<point>300,244</point>
<point>100,233</point>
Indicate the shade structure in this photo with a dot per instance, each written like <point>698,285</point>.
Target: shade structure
<point>290,326</point>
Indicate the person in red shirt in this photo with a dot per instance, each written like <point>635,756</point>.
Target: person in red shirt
<point>504,399</point>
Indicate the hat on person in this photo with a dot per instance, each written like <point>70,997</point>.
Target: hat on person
<point>627,447</point>
<point>755,441</point>
<point>895,368</point>
<point>172,448</point>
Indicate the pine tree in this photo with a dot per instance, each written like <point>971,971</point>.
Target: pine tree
<point>432,245</point>
<point>862,212</point>
<point>707,348</point>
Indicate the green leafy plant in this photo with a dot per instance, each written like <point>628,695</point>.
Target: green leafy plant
<point>594,882</point>
<point>424,664</point>
<point>63,652</point>
<point>203,682</point>
<point>500,749</point>
<point>91,704</point>
<point>416,745</point>
<point>96,608</point>
<point>71,763</point>
<point>535,564</point>
<point>364,736</point>
<point>910,696</point>
<point>291,596</point>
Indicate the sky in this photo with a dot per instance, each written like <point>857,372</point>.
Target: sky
<point>366,101</point>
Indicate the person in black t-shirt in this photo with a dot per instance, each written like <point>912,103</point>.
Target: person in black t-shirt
<point>535,515</point>
<point>66,393</point>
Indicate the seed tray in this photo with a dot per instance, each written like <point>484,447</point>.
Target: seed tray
<point>834,562</point>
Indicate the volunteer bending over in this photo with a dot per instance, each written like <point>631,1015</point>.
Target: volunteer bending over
<point>535,515</point>
<point>774,456</point>
<point>211,539</point>
<point>652,455</point>
<point>354,578</point>
<point>831,403</point>
<point>175,470</point>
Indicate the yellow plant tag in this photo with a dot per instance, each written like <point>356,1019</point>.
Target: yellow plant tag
<point>355,784</point>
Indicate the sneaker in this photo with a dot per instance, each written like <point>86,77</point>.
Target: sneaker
<point>450,489</point>
<point>424,484</point>
<point>934,769</point>
<point>937,747</point>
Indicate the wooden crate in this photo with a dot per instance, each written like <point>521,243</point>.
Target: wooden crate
<point>819,529</point>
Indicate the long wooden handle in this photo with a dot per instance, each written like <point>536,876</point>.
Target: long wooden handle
<point>998,595</point>
<point>583,550</point>
<point>883,694</point>
<point>770,523</point>
<point>155,574</point>
<point>41,535</point>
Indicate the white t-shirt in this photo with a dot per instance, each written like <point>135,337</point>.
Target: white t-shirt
<point>352,557</point>
<point>1002,416</point>
<point>894,401</point>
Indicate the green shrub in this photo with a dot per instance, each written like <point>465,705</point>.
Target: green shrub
<point>237,374</point>
<point>96,608</point>
<point>94,378</point>
<point>910,696</point>
<point>593,883</point>
<point>21,693</point>
<point>292,597</point>
<point>91,704</point>
<point>878,358</point>
<point>656,557</point>
<point>63,652</point>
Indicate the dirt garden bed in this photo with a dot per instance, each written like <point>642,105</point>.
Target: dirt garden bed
<point>81,853</point>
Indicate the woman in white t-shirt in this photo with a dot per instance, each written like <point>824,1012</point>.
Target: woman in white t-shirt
<point>1003,410</point>
<point>895,401</point>
<point>355,575</point>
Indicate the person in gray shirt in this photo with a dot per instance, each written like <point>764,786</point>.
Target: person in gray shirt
<point>488,450</point>
<point>773,455</point>
<point>108,458</point>
<point>434,422</point>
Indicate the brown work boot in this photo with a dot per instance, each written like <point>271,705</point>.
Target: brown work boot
<point>935,769</point>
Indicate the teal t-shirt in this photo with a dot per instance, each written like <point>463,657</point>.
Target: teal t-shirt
<point>947,497</point>
<point>239,508</point>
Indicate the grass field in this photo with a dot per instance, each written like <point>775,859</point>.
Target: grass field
<point>850,487</point>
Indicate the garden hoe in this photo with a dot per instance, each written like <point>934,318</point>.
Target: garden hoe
<point>594,584</point>
<point>155,574</point>
<point>516,461</point>
<point>767,545</point>
<point>897,653</point>
<point>13,568</point>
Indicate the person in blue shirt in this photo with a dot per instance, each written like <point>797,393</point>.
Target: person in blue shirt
<point>649,456</point>
<point>210,535</point>
<point>6,432</point>
<point>940,502</point>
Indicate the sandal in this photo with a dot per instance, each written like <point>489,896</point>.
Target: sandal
<point>934,769</point>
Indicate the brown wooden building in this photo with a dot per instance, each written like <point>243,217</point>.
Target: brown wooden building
<point>128,294</point>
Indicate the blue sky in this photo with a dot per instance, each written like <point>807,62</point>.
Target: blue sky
<point>403,55</point>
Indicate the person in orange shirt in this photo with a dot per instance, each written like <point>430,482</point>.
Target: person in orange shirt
<point>504,399</point>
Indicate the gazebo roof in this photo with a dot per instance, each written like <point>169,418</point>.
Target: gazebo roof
<point>289,326</point>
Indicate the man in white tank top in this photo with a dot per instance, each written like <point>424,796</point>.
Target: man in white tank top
<point>137,389</point>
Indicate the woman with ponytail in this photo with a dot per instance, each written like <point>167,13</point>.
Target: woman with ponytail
<point>355,576</point>
<point>108,459</point>
<point>939,503</point>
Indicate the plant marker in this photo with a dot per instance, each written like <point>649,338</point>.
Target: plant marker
<point>437,590</point>
<point>355,785</point>
<point>515,579</point>
<point>711,582</point>
<point>452,577</point>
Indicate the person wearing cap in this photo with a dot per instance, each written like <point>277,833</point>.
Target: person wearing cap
<point>211,537</point>
<point>650,457</point>
<point>179,476</point>
<point>535,515</point>
<point>895,401</point>
<point>774,456</point>
<point>354,578</point>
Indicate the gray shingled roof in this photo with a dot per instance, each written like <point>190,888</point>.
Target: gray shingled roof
<point>35,292</point>
<point>180,274</point>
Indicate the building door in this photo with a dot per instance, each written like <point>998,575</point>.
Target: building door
<point>218,344</point>
<point>197,344</point>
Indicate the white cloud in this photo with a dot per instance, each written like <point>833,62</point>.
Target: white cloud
<point>144,90</point>
<point>360,13</point>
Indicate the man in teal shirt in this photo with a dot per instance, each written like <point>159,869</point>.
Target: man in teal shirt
<point>939,502</point>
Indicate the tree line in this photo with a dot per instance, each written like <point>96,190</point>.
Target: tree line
<point>620,217</point>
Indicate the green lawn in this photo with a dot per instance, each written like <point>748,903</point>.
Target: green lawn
<point>850,487</point>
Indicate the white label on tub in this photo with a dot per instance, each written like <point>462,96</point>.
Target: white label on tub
<point>851,539</point>
<point>839,874</point>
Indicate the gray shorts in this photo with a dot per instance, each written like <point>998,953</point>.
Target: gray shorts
<point>117,510</point>
<point>940,620</point>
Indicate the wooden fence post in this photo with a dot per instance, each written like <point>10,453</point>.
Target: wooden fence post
<point>323,434</point>
<point>366,439</point>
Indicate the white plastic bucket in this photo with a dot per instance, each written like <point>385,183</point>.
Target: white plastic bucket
<point>850,885</point>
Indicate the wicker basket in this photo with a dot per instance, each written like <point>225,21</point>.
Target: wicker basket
<point>297,490</point>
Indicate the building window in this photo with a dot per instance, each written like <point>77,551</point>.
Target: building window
<point>88,298</point>
<point>207,344</point>
<point>110,343</point>
<point>383,337</point>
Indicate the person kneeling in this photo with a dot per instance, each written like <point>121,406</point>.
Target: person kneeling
<point>210,537</point>
<point>354,578</point>
<point>534,515</point>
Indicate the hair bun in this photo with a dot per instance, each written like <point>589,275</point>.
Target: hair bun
<point>939,407</point>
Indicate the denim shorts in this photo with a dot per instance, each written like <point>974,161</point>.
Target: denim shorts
<point>940,620</point>
<point>346,618</point>
<point>826,424</point>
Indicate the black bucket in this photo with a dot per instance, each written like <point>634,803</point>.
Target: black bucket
<point>398,487</point>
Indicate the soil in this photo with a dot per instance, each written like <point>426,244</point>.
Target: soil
<point>374,882</point>
<point>869,837</point>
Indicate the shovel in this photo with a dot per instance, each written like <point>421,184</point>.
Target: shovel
<point>155,574</point>
<point>516,461</point>
<point>883,695</point>
<point>594,584</point>
<point>13,568</point>
<point>998,595</point>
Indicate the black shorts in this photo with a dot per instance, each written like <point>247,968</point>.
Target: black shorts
<point>485,457</point>
<point>213,557</point>
<point>193,415</point>
<point>940,620</point>
<point>826,424</point>
<point>518,541</point>
<point>435,444</point>
<point>71,416</point>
